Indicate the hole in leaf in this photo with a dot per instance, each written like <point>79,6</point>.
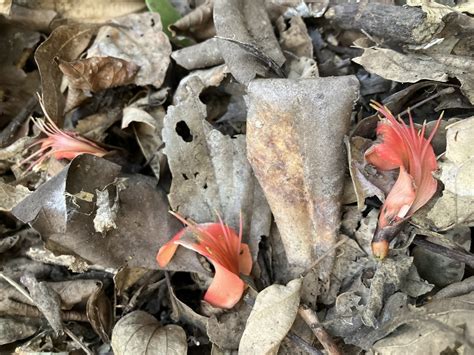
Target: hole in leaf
<point>183,131</point>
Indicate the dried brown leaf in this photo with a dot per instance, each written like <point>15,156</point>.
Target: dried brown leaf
<point>98,73</point>
<point>139,39</point>
<point>66,42</point>
<point>99,313</point>
<point>140,333</point>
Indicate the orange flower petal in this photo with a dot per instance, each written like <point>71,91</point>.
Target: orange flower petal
<point>226,288</point>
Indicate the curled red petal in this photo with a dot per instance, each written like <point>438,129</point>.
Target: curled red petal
<point>226,288</point>
<point>399,200</point>
<point>167,251</point>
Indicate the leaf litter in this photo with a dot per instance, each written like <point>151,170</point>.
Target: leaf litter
<point>252,122</point>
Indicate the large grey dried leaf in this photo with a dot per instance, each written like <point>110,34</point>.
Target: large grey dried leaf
<point>440,326</point>
<point>272,316</point>
<point>138,39</point>
<point>10,196</point>
<point>211,172</point>
<point>410,68</point>
<point>247,22</point>
<point>66,42</point>
<point>143,221</point>
<point>295,134</point>
<point>140,333</point>
<point>12,330</point>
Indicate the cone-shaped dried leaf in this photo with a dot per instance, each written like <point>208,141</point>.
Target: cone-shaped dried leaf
<point>295,134</point>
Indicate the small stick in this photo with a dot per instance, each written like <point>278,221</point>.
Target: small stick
<point>448,90</point>
<point>324,338</point>
<point>458,255</point>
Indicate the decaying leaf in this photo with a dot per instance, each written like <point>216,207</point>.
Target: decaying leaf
<point>295,133</point>
<point>138,39</point>
<point>247,23</point>
<point>272,316</point>
<point>66,42</point>
<point>12,329</point>
<point>10,196</point>
<point>140,333</point>
<point>440,326</point>
<point>106,212</point>
<point>143,222</point>
<point>210,170</point>
<point>456,205</point>
<point>98,73</point>
<point>410,68</point>
<point>295,38</point>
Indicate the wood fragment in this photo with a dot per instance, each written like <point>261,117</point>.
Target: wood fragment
<point>310,317</point>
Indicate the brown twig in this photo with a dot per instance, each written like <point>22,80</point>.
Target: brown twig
<point>458,255</point>
<point>324,338</point>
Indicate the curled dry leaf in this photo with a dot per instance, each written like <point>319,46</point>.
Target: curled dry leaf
<point>46,299</point>
<point>99,312</point>
<point>140,333</point>
<point>202,55</point>
<point>272,316</point>
<point>66,42</point>
<point>143,221</point>
<point>246,22</point>
<point>210,170</point>
<point>410,68</point>
<point>98,73</point>
<point>197,24</point>
<point>302,173</point>
<point>139,39</point>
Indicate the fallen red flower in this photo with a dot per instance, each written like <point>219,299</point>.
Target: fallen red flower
<point>60,144</point>
<point>222,246</point>
<point>406,148</point>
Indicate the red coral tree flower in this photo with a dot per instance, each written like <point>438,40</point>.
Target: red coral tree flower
<point>406,148</point>
<point>60,144</point>
<point>224,249</point>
